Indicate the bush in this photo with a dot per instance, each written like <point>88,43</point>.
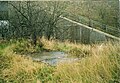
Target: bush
<point>26,47</point>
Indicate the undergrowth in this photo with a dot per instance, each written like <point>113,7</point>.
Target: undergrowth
<point>98,64</point>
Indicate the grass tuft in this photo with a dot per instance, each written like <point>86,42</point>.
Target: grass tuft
<point>99,63</point>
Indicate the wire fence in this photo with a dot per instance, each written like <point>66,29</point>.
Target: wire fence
<point>75,31</point>
<point>100,26</point>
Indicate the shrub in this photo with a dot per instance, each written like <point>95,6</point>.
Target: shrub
<point>26,47</point>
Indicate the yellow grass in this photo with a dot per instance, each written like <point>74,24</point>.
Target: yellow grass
<point>22,69</point>
<point>102,66</point>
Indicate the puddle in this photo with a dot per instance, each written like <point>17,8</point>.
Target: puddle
<point>53,58</point>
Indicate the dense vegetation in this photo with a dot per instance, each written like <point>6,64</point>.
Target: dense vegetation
<point>42,18</point>
<point>32,27</point>
<point>101,66</point>
<point>103,15</point>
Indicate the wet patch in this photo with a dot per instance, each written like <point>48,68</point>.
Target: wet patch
<point>53,58</point>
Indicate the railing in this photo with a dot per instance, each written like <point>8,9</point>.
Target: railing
<point>76,31</point>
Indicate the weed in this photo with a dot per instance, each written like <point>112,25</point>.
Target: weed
<point>102,65</point>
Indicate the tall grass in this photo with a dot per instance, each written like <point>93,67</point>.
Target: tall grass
<point>99,63</point>
<point>102,67</point>
<point>16,68</point>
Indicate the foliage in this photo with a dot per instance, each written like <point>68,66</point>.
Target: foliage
<point>99,63</point>
<point>30,17</point>
<point>102,66</point>
<point>25,46</point>
<point>103,14</point>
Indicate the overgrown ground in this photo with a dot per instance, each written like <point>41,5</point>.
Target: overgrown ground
<point>99,63</point>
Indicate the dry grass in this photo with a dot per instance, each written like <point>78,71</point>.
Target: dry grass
<point>103,66</point>
<point>21,69</point>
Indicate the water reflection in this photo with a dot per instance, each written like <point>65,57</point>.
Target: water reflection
<point>53,58</point>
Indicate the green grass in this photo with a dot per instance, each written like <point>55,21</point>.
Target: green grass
<point>16,68</point>
<point>98,63</point>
